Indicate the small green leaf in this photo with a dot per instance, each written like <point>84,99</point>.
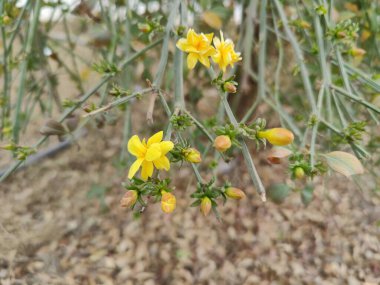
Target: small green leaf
<point>278,193</point>
<point>307,194</point>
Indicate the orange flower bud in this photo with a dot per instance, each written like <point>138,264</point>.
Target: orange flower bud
<point>229,87</point>
<point>357,52</point>
<point>206,206</point>
<point>168,202</point>
<point>277,136</point>
<point>235,193</point>
<point>222,143</point>
<point>129,199</point>
<point>299,173</point>
<point>192,155</point>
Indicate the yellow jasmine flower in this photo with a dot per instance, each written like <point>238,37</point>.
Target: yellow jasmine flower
<point>198,46</point>
<point>225,54</point>
<point>149,155</point>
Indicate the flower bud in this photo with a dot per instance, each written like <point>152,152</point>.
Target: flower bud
<point>206,206</point>
<point>6,20</point>
<point>277,136</point>
<point>357,52</point>
<point>299,173</point>
<point>229,87</point>
<point>304,24</point>
<point>129,199</point>
<point>222,143</point>
<point>192,155</point>
<point>144,28</point>
<point>168,202</point>
<point>10,147</point>
<point>235,193</point>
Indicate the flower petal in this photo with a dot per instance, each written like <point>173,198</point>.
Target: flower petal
<point>135,146</point>
<point>209,36</point>
<point>182,44</point>
<point>162,163</point>
<point>166,146</point>
<point>156,138</point>
<point>216,42</point>
<point>134,168</point>
<point>153,152</point>
<point>205,61</point>
<point>192,60</point>
<point>147,170</point>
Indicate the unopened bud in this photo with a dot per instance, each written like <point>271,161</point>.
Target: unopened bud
<point>229,87</point>
<point>129,199</point>
<point>10,147</point>
<point>168,202</point>
<point>277,136</point>
<point>304,24</point>
<point>222,143</point>
<point>206,206</point>
<point>6,20</point>
<point>299,173</point>
<point>144,28</point>
<point>235,193</point>
<point>341,35</point>
<point>192,155</point>
<point>357,52</point>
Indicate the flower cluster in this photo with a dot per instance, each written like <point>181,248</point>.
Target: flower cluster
<point>199,48</point>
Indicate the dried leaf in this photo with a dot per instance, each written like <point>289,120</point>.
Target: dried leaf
<point>52,128</point>
<point>212,19</point>
<point>276,153</point>
<point>344,163</point>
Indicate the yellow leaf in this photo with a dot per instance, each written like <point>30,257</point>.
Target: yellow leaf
<point>344,163</point>
<point>212,19</point>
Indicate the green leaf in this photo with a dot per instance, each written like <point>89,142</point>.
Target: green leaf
<point>344,163</point>
<point>307,194</point>
<point>278,193</point>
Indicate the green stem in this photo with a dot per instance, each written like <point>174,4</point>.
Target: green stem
<point>262,49</point>
<point>246,154</point>
<point>356,99</point>
<point>23,70</point>
<point>298,52</point>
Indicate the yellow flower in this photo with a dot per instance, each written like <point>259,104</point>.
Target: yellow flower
<point>168,202</point>
<point>277,136</point>
<point>192,155</point>
<point>149,155</point>
<point>225,54</point>
<point>198,46</point>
